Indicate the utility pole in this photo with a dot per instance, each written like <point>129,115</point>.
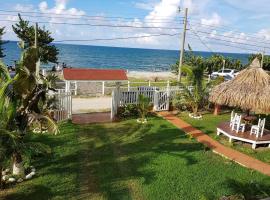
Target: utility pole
<point>36,46</point>
<point>183,46</point>
<point>36,29</point>
<point>223,67</point>
<point>262,58</point>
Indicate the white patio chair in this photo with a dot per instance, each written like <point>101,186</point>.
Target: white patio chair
<point>237,125</point>
<point>258,129</point>
<point>232,118</point>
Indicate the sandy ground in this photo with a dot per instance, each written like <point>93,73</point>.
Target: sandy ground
<point>151,75</point>
<point>87,105</point>
<point>103,104</point>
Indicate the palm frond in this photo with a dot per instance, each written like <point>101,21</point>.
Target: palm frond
<point>4,73</point>
<point>51,126</point>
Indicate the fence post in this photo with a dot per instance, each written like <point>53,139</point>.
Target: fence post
<point>155,108</point>
<point>103,88</point>
<point>128,85</point>
<point>149,83</point>
<point>76,88</point>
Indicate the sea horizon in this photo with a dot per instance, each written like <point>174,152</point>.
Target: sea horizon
<point>129,58</point>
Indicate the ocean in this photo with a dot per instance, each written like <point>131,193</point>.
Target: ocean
<point>132,59</point>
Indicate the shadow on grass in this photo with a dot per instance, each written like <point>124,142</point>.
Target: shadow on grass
<point>251,190</point>
<point>39,192</point>
<point>124,151</point>
<point>104,160</point>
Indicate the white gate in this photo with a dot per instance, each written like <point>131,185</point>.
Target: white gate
<point>63,110</point>
<point>161,101</point>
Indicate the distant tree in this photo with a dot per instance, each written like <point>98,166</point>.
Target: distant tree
<point>213,63</point>
<point>2,32</point>
<point>47,51</point>
<point>266,60</point>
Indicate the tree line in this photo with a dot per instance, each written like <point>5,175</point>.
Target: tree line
<point>216,61</point>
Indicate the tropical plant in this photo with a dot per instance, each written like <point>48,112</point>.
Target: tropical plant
<point>47,51</point>
<point>266,60</point>
<point>2,32</point>
<point>23,103</point>
<point>210,64</point>
<point>143,107</point>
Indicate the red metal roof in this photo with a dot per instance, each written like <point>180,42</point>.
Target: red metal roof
<point>95,74</point>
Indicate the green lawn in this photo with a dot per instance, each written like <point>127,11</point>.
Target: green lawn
<point>126,160</point>
<point>209,124</point>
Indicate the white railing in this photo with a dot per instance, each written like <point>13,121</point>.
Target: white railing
<point>160,98</point>
<point>108,87</point>
<point>63,109</point>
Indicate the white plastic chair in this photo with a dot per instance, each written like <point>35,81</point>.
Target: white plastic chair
<point>232,118</point>
<point>258,129</point>
<point>237,125</point>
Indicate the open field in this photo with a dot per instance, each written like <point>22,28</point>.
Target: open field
<point>127,160</point>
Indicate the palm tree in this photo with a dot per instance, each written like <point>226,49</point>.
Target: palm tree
<point>143,107</point>
<point>195,97</point>
<point>23,102</point>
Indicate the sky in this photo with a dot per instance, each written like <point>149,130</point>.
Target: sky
<point>213,25</point>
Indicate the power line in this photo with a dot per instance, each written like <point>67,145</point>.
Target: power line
<point>82,15</point>
<point>202,41</point>
<point>232,37</point>
<point>88,19</point>
<point>242,43</point>
<point>99,25</point>
<point>215,28</point>
<point>117,38</point>
<point>226,44</point>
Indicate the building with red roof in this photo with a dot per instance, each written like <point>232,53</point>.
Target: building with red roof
<point>75,75</point>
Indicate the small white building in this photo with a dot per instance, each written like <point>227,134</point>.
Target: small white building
<point>77,75</point>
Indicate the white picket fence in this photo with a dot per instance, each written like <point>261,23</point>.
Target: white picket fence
<point>63,109</point>
<point>159,97</point>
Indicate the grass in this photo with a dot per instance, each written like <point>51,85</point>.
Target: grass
<point>127,160</point>
<point>209,124</point>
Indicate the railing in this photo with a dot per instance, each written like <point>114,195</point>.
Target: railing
<point>108,87</point>
<point>63,109</point>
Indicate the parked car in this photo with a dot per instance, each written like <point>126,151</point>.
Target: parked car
<point>226,73</point>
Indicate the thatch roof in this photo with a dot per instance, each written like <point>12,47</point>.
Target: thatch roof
<point>250,90</point>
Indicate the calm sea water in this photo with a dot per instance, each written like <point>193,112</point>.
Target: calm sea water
<point>83,56</point>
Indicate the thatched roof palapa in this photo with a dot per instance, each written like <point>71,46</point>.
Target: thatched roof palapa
<point>249,90</point>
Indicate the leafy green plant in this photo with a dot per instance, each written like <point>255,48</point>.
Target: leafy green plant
<point>143,106</point>
<point>127,111</point>
<point>23,103</point>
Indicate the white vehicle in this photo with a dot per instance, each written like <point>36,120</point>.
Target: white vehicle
<point>225,73</point>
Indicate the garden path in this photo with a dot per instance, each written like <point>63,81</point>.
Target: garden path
<point>218,148</point>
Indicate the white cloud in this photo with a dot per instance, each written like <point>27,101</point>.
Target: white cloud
<point>215,20</point>
<point>25,8</point>
<point>144,5</point>
<point>165,9</point>
<point>264,33</point>
<point>60,7</point>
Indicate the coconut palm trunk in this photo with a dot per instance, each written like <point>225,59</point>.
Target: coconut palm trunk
<point>18,167</point>
<point>1,182</point>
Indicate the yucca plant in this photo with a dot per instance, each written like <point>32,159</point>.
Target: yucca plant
<point>143,107</point>
<point>23,103</point>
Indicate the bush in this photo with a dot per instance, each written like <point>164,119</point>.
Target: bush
<point>128,111</point>
<point>179,102</point>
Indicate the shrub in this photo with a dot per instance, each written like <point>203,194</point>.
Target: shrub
<point>128,111</point>
<point>179,102</point>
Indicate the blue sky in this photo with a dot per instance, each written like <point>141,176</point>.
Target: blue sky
<point>237,22</point>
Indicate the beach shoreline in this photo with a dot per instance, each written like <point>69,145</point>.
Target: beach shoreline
<point>151,76</point>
